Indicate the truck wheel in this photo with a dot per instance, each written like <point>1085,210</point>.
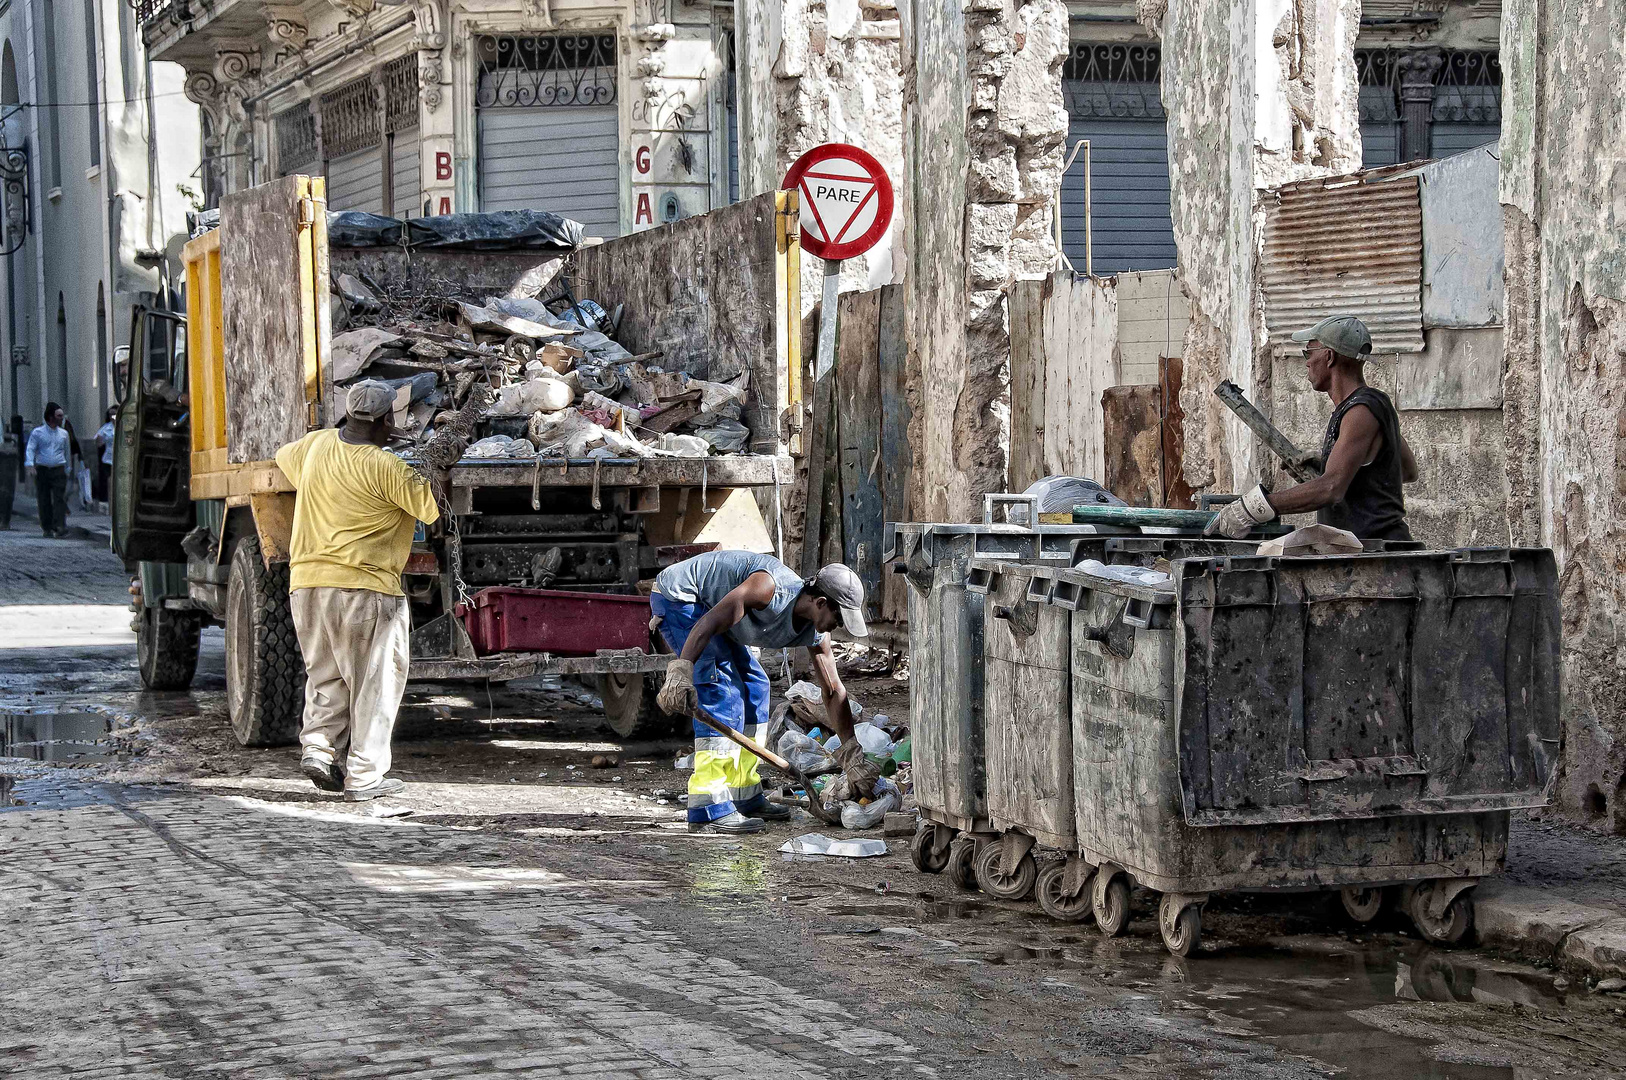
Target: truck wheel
<point>630,709</point>
<point>265,675</point>
<point>167,648</point>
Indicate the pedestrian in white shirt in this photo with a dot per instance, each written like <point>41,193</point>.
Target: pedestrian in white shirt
<point>104,455</point>
<point>46,459</point>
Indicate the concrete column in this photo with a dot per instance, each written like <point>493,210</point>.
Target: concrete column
<point>1563,159</point>
<point>986,127</point>
<point>817,71</point>
<point>1258,93</point>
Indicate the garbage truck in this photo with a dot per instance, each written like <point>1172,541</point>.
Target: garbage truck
<point>203,517</point>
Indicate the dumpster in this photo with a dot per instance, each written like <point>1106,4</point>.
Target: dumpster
<point>946,686</point>
<point>1362,723</point>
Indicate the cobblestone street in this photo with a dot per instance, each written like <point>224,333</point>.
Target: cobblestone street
<point>183,907</point>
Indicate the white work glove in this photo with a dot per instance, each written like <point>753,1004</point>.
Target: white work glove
<point>677,696</point>
<point>1237,519</point>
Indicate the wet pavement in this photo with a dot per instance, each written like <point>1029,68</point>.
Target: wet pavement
<point>193,907</point>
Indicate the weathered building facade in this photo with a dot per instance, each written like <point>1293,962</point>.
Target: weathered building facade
<point>99,162</point>
<point>621,115</point>
<point>1563,157</point>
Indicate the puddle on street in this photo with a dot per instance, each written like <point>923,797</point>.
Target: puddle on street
<point>1298,990</point>
<point>61,737</point>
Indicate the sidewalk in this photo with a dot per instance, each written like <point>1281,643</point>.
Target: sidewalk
<point>82,524</point>
<point>1562,901</point>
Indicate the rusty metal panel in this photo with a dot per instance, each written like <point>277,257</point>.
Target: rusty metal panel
<point>1346,245</point>
<point>1335,688</point>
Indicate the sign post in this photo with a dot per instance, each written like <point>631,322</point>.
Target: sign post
<point>846,207</point>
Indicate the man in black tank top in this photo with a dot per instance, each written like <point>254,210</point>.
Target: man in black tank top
<point>1366,460</point>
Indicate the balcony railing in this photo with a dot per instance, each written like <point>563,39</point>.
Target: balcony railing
<point>148,10</point>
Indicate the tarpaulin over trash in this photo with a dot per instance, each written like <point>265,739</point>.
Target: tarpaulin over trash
<point>501,230</point>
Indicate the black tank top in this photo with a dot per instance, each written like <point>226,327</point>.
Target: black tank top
<point>1373,507</point>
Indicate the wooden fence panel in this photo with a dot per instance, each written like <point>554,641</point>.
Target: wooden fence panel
<point>1063,337</point>
<point>858,403</point>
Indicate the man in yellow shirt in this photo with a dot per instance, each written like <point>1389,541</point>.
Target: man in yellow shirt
<point>356,509</point>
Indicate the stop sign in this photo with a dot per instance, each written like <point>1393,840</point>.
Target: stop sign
<point>846,200</point>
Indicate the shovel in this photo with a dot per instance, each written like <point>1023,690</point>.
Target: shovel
<point>813,805</point>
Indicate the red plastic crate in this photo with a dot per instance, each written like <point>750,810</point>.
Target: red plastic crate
<point>557,621</point>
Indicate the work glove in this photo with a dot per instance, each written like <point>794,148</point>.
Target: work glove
<point>678,696</point>
<point>858,771</point>
<point>1237,519</point>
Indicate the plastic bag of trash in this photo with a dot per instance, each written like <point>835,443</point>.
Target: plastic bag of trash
<point>873,739</point>
<point>532,396</point>
<point>726,437</point>
<point>500,446</point>
<point>1059,494</point>
<point>1132,575</point>
<point>804,753</point>
<point>887,797</point>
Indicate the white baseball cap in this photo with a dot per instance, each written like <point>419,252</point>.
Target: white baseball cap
<point>842,587</point>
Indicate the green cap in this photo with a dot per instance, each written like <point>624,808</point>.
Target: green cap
<point>1343,334</point>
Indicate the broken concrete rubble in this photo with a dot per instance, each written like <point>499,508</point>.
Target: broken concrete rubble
<point>539,363</point>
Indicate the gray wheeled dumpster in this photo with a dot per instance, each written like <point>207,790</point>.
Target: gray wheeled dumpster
<point>1321,722</point>
<point>946,685</point>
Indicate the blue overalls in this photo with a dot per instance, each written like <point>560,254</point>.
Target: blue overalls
<point>730,683</point>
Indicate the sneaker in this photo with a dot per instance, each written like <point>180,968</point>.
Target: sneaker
<point>762,808</point>
<point>387,786</point>
<point>735,824</point>
<point>325,775</point>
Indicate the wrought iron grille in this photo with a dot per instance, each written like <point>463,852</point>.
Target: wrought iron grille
<point>14,184</point>
<point>296,138</point>
<point>1467,85</point>
<point>148,10</point>
<point>1119,81</point>
<point>401,93</point>
<point>350,118</point>
<point>545,69</point>
<point>730,58</point>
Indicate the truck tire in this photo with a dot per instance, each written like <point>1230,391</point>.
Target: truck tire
<point>265,674</point>
<point>167,647</point>
<point>630,709</point>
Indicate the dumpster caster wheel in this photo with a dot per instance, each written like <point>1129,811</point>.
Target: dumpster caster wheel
<point>1180,922</point>
<point>1450,925</point>
<point>1050,890</point>
<point>929,855</point>
<point>1362,904</point>
<point>1110,899</point>
<point>1004,884</point>
<point>962,853</point>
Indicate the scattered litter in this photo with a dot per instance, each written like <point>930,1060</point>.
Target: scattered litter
<point>1313,540</point>
<point>1131,575</point>
<point>819,844</point>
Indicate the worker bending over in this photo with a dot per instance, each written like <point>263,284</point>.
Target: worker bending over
<point>710,609</point>
<point>1365,458</point>
<point>355,511</point>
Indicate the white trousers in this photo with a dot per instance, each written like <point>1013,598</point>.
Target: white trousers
<point>355,646</point>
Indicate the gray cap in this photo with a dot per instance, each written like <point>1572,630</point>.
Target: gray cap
<point>844,589</point>
<point>370,399</point>
<point>1343,334</point>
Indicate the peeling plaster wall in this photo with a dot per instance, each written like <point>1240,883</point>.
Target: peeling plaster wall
<point>817,71</point>
<point>1258,93</point>
<point>986,130</point>
<point>1563,168</point>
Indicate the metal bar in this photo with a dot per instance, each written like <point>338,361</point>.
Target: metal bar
<point>823,412</point>
<point>522,666</point>
<point>1299,464</point>
<point>1089,231</point>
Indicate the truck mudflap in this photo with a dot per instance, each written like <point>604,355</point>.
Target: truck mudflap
<point>506,666</point>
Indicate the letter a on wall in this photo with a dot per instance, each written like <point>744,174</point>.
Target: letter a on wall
<point>846,200</point>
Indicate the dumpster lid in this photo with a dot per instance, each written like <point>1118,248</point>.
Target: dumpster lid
<point>1323,688</point>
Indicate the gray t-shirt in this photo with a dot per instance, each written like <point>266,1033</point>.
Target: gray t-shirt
<point>706,579</point>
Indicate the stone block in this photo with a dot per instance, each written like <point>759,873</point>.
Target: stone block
<point>898,824</point>
<point>1600,949</point>
<point>989,225</point>
<point>1529,921</point>
<point>993,179</point>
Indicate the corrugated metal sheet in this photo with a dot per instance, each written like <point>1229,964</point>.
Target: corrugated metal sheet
<point>1346,245</point>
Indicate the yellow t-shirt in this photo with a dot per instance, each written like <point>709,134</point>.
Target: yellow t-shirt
<point>354,514</point>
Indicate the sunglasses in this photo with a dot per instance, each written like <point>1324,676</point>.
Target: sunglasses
<point>1309,352</point>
